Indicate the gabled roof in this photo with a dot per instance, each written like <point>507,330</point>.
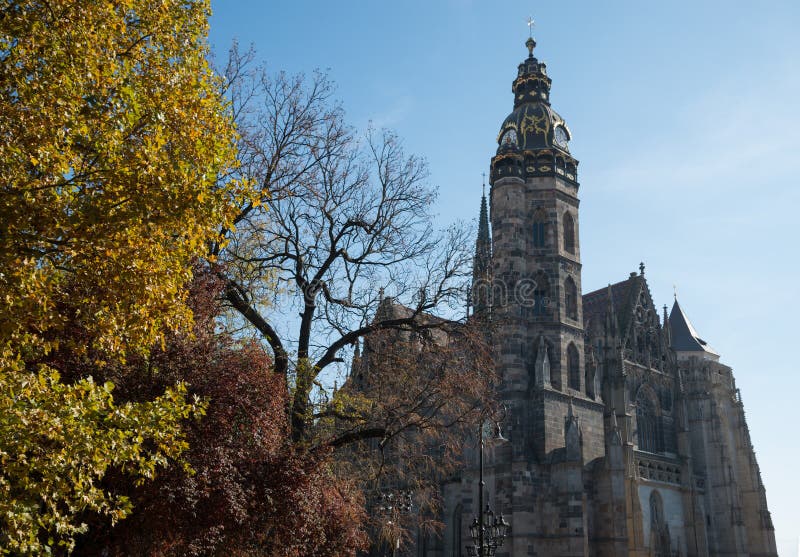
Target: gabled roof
<point>684,336</point>
<point>619,297</point>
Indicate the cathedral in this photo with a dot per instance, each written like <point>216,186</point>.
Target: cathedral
<point>626,433</point>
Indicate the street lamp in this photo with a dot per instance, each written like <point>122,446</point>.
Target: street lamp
<point>488,534</point>
<point>392,505</point>
<point>488,531</point>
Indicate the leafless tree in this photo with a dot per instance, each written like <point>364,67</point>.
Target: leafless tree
<point>343,222</point>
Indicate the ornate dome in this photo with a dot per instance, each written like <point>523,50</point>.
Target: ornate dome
<point>533,124</point>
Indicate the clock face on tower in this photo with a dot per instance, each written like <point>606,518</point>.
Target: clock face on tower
<point>560,137</point>
<point>510,138</point>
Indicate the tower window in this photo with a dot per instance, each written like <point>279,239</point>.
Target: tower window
<point>569,233</point>
<point>573,367</point>
<point>571,298</point>
<point>539,228</point>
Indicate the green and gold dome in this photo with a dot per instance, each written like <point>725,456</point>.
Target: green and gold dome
<point>534,137</point>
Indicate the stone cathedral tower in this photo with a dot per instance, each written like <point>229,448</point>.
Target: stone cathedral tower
<point>627,436</point>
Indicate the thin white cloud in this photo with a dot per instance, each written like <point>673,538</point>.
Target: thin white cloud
<point>397,112</point>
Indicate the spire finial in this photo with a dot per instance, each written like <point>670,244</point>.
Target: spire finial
<point>675,292</point>
<point>530,43</point>
<point>641,268</point>
<point>483,187</point>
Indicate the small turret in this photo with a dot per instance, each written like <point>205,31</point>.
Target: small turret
<point>684,338</point>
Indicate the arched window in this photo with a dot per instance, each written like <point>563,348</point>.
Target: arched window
<point>656,509</point>
<point>539,228</point>
<point>541,294</point>
<point>569,233</point>
<point>573,367</point>
<point>571,298</point>
<point>648,424</point>
<point>659,534</point>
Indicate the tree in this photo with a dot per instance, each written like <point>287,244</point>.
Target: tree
<point>114,138</point>
<point>252,492</point>
<point>344,225</point>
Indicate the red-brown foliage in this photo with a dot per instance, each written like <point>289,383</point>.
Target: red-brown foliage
<point>253,492</point>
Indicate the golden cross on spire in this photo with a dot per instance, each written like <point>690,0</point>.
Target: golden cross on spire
<point>531,23</point>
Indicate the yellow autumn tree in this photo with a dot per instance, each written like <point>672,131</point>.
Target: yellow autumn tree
<point>114,145</point>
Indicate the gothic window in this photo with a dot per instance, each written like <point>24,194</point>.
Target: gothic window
<point>648,423</point>
<point>569,233</point>
<point>539,228</point>
<point>659,533</point>
<point>571,298</point>
<point>541,294</point>
<point>573,367</point>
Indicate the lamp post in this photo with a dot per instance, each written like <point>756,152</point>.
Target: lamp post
<point>488,531</point>
<point>392,505</point>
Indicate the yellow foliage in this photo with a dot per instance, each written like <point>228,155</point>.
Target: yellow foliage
<point>113,136</point>
<point>58,440</point>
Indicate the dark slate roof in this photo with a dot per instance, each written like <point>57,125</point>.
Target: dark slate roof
<point>595,304</point>
<point>684,337</point>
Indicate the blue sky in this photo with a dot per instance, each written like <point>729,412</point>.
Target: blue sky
<point>685,117</point>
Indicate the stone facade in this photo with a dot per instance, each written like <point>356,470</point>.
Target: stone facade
<point>627,436</point>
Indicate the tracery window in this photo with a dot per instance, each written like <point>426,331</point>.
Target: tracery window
<point>648,423</point>
<point>569,233</point>
<point>571,298</point>
<point>539,228</point>
<point>573,367</point>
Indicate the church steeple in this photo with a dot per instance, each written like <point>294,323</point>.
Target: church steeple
<point>482,264</point>
<point>536,266</point>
